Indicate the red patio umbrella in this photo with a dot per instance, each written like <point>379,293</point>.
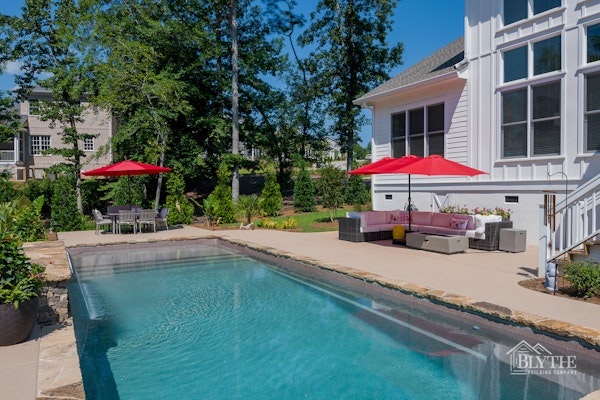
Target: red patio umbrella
<point>385,166</point>
<point>433,165</point>
<point>127,168</point>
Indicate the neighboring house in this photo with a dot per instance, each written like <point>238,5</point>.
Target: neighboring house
<point>23,156</point>
<point>517,97</point>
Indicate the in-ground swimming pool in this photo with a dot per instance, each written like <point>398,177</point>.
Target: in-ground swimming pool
<point>196,320</point>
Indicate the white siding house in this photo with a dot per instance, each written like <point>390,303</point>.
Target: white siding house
<point>518,97</point>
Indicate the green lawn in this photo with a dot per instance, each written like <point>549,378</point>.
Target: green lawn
<point>317,221</point>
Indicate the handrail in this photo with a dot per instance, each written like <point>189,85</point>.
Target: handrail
<point>576,221</point>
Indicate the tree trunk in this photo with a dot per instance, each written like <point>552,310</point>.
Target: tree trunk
<point>235,128</point>
<point>161,163</point>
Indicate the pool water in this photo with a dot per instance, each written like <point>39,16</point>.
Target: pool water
<point>223,325</point>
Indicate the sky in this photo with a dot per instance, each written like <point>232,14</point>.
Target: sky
<point>422,26</point>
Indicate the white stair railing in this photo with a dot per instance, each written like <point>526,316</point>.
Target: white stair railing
<point>577,220</point>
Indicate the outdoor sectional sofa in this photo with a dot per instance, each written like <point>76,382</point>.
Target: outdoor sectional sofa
<point>483,231</point>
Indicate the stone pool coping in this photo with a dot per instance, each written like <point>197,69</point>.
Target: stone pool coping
<point>58,371</point>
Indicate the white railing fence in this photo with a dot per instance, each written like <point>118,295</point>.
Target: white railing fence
<point>576,220</point>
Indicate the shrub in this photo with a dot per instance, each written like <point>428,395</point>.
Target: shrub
<point>357,192</point>
<point>22,218</point>
<point>289,223</point>
<point>181,209</point>
<point>35,188</point>
<point>584,277</point>
<point>7,189</point>
<point>271,201</point>
<point>65,216</point>
<point>20,279</point>
<point>248,206</point>
<point>267,223</point>
<point>222,208</point>
<point>305,198</point>
<point>331,187</point>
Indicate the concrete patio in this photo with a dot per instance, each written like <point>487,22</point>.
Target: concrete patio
<point>46,366</point>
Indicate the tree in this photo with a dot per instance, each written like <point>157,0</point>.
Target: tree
<point>271,201</point>
<point>357,192</point>
<point>331,188</point>
<point>249,206</point>
<point>181,209</point>
<point>64,215</point>
<point>49,40</point>
<point>350,55</point>
<point>221,207</point>
<point>9,117</point>
<point>304,192</point>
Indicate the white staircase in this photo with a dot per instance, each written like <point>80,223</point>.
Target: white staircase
<point>573,228</point>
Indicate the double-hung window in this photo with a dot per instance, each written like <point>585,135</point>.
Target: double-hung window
<point>544,56</point>
<point>39,143</point>
<point>517,10</point>
<point>592,113</point>
<point>531,121</point>
<point>419,131</point>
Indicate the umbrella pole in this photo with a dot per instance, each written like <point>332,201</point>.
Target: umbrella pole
<point>129,186</point>
<point>409,206</point>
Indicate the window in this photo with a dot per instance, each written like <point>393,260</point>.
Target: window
<point>515,64</point>
<point>593,43</point>
<point>88,144</point>
<point>535,132</point>
<point>419,131</point>
<point>34,107</point>
<point>546,58</point>
<point>399,135</point>
<point>39,144</point>
<point>592,113</point>
<point>517,10</point>
<point>546,55</point>
<point>539,6</point>
<point>514,10</point>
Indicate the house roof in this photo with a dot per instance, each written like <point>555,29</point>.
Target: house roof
<point>439,63</point>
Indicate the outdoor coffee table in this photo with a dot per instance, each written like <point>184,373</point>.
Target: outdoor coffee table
<point>446,244</point>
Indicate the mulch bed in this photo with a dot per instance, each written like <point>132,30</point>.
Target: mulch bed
<point>564,289</point>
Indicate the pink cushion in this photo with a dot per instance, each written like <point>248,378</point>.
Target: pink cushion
<point>457,223</point>
<point>421,217</point>
<point>441,219</point>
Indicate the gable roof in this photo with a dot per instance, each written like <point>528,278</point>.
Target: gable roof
<point>439,63</point>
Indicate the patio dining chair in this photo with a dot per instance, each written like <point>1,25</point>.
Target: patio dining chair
<point>101,220</point>
<point>126,217</point>
<point>147,218</point>
<point>162,216</point>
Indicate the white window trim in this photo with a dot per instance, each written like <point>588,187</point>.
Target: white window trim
<point>31,144</point>
<point>531,17</point>
<point>530,59</point>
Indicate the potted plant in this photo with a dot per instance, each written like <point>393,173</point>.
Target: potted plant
<point>20,284</point>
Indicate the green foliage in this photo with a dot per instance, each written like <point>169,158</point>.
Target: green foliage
<point>9,117</point>
<point>352,54</point>
<point>125,191</point>
<point>91,195</point>
<point>7,189</point>
<point>331,188</point>
<point>271,201</point>
<point>248,206</point>
<point>35,188</point>
<point>181,209</point>
<point>221,207</point>
<point>267,223</point>
<point>20,279</point>
<point>22,218</point>
<point>64,216</point>
<point>305,198</point>
<point>584,277</point>
<point>289,223</point>
<point>357,192</point>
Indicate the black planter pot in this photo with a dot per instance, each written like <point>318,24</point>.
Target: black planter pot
<point>16,325</point>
